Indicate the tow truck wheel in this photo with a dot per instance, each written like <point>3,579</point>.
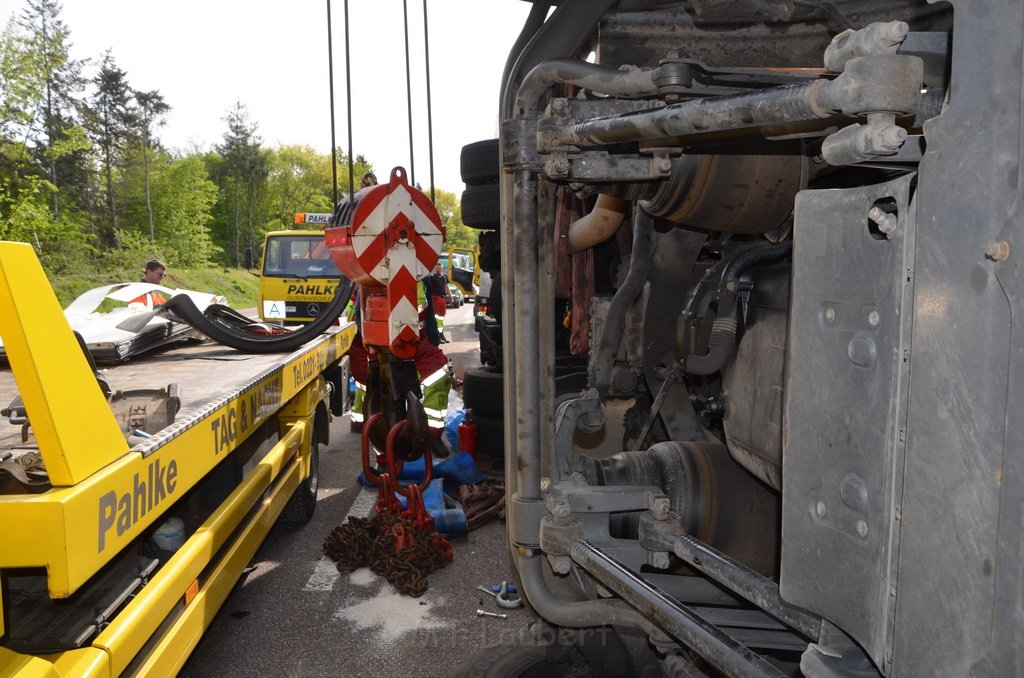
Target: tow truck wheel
<point>302,504</point>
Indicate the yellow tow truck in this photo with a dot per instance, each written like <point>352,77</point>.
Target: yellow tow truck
<point>129,509</point>
<point>298,276</point>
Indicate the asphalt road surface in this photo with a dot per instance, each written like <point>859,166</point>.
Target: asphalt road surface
<point>294,614</point>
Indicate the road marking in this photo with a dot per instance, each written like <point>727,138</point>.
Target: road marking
<point>363,506</point>
<point>325,572</point>
<point>324,576</point>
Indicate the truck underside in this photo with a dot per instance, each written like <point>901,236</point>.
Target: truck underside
<point>804,352</point>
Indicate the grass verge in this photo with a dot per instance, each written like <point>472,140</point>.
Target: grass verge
<point>238,285</point>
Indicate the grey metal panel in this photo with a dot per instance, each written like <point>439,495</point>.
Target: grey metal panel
<point>960,606</point>
<point>845,394</point>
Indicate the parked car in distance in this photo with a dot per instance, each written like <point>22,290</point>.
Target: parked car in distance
<point>454,297</point>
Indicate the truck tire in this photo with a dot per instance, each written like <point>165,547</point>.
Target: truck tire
<point>481,206</point>
<point>490,252</point>
<point>480,162</point>
<point>302,504</point>
<point>511,661</point>
<point>483,392</point>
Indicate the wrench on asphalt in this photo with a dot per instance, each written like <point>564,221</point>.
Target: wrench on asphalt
<point>484,613</point>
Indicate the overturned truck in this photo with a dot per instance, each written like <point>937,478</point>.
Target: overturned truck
<point>806,368</point>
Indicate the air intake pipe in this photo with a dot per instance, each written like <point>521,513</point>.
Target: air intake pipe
<point>600,224</point>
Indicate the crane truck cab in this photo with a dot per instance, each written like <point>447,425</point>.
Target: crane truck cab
<point>297,277</point>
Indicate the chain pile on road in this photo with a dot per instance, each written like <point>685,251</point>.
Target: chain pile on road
<point>392,546</point>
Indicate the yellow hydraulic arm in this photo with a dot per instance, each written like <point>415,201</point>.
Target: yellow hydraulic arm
<point>78,435</point>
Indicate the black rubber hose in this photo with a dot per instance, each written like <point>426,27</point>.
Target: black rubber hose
<point>188,312</point>
<point>748,259</point>
<point>720,345</point>
<point>227,316</point>
<point>724,326</point>
<point>639,268</point>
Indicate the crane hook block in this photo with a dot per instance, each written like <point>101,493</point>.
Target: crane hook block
<point>385,238</point>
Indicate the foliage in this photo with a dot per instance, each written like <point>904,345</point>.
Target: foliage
<point>298,180</point>
<point>85,179</point>
<point>126,262</point>
<point>183,209</point>
<point>26,218</point>
<point>110,119</point>
<point>48,82</point>
<point>243,175</point>
<point>150,109</point>
<point>450,209</point>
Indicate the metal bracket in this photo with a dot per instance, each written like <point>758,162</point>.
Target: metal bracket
<point>516,155</point>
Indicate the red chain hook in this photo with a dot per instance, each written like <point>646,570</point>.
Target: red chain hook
<point>394,464</point>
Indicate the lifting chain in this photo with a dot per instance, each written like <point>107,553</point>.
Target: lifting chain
<point>373,542</point>
<point>399,545</point>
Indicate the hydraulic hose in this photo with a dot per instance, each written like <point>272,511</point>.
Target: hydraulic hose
<point>184,308</point>
<point>724,327</point>
<point>639,267</point>
<point>720,343</point>
<point>748,259</point>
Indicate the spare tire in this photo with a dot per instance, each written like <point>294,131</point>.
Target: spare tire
<point>490,436</point>
<point>483,391</point>
<point>481,162</point>
<point>481,206</point>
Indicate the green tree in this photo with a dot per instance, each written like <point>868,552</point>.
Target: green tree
<point>150,111</point>
<point>241,175</point>
<point>183,201</point>
<point>448,206</point>
<point>39,86</point>
<point>111,120</point>
<point>298,180</point>
<point>25,217</point>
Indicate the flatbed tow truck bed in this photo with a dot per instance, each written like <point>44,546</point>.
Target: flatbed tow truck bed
<point>87,587</point>
<point>206,374</point>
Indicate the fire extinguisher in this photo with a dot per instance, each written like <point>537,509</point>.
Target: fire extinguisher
<point>467,434</point>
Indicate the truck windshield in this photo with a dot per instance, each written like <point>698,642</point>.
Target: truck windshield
<point>298,255</point>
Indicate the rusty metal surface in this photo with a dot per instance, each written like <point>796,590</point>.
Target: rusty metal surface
<point>643,37</point>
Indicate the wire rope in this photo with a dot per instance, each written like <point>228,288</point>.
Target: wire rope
<point>348,103</point>
<point>430,123</point>
<point>408,93</point>
<point>330,77</point>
